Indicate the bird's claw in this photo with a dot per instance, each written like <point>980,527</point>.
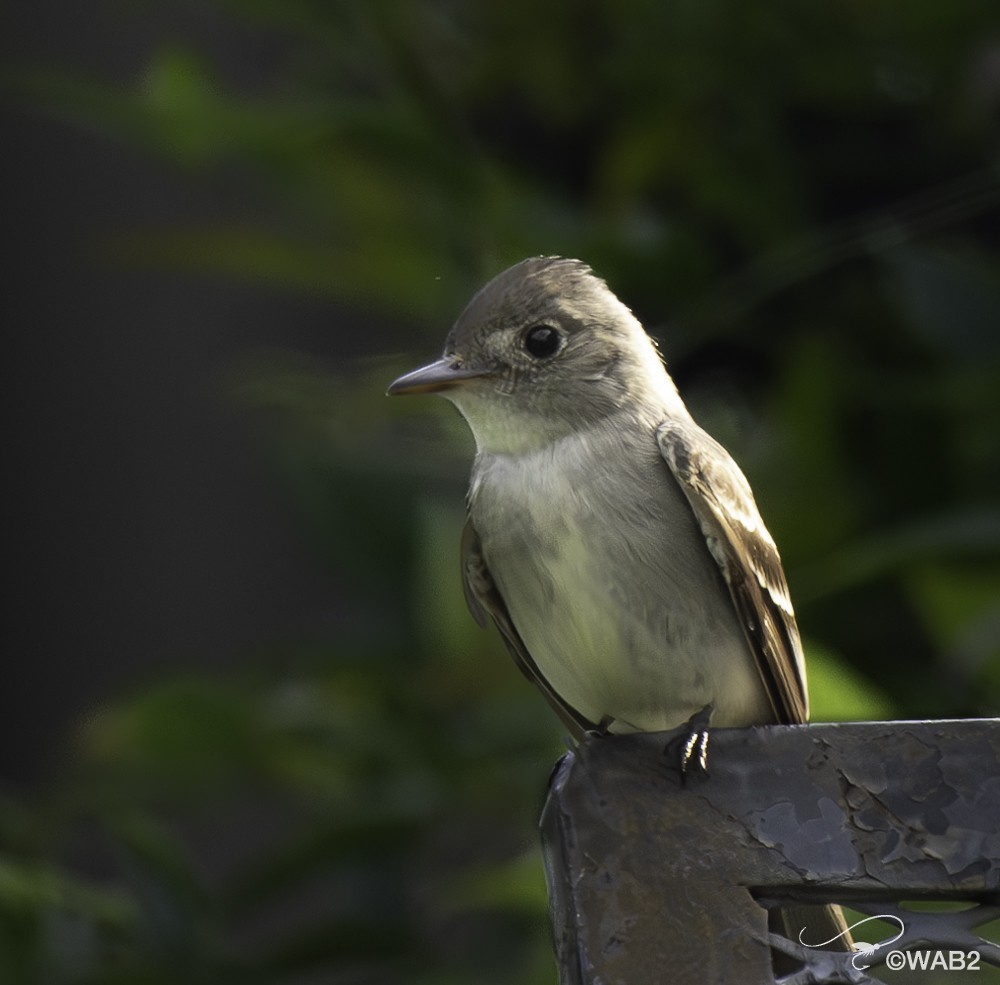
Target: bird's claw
<point>697,743</point>
<point>693,757</point>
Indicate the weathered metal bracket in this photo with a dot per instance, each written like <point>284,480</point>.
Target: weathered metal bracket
<point>652,878</point>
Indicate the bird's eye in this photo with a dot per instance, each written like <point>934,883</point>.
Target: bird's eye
<point>541,341</point>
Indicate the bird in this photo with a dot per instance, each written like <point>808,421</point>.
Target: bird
<point>614,543</point>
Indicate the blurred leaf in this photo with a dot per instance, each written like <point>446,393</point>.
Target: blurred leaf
<point>29,886</point>
<point>953,595</point>
<point>970,533</point>
<point>189,731</point>
<point>397,278</point>
<point>838,693</point>
<point>515,885</point>
<point>961,607</point>
<point>951,302</point>
<point>444,618</point>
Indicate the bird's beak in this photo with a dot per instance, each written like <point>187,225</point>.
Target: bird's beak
<point>441,375</point>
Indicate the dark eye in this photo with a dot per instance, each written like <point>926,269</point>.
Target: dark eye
<point>541,341</point>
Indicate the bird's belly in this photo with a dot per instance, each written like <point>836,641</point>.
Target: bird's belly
<point>625,614</point>
<point>647,670</point>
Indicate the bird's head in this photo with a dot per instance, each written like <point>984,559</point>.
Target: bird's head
<point>543,350</point>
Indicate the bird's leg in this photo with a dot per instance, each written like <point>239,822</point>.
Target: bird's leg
<point>603,728</point>
<point>691,747</point>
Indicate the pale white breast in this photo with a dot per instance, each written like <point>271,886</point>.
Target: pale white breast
<point>610,583</point>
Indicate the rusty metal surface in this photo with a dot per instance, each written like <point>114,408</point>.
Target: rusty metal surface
<point>652,879</point>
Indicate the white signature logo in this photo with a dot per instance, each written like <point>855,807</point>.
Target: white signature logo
<point>863,949</point>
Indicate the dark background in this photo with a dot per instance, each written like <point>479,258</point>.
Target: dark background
<point>143,529</point>
<point>248,731</point>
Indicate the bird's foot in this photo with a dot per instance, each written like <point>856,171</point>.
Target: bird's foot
<point>603,728</point>
<point>689,750</point>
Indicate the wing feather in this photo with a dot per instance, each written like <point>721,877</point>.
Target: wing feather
<point>484,600</point>
<point>724,507</point>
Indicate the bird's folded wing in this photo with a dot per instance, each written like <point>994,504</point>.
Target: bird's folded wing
<point>726,512</point>
<point>484,599</point>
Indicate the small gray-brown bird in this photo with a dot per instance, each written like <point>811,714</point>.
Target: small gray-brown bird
<point>614,543</point>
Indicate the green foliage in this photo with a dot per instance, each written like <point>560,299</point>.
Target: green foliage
<point>799,197</point>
